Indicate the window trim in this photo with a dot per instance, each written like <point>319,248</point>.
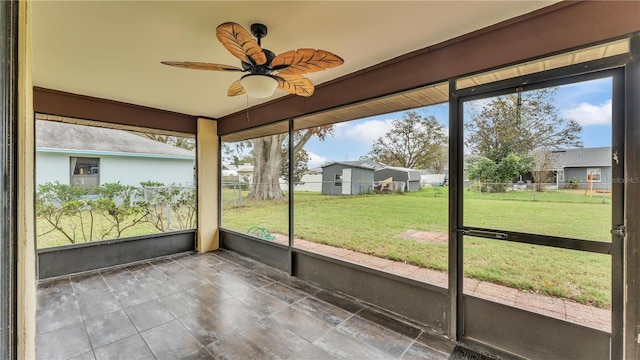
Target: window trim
<point>597,171</point>
<point>337,179</point>
<point>72,168</point>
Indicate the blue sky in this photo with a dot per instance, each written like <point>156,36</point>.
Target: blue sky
<point>589,103</point>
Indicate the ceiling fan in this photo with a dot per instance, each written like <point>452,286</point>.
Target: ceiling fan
<point>266,71</point>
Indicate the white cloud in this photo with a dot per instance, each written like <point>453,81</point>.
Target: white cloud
<point>588,114</point>
<point>366,131</point>
<point>315,160</point>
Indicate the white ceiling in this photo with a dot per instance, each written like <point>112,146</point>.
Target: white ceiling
<point>113,49</point>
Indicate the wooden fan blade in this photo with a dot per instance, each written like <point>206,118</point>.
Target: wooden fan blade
<point>296,85</point>
<point>236,89</point>
<point>240,43</point>
<point>201,66</point>
<point>302,61</point>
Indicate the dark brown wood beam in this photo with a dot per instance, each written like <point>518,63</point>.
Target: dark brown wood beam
<point>54,102</point>
<point>547,31</point>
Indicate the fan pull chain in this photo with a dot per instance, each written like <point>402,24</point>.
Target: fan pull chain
<point>519,106</point>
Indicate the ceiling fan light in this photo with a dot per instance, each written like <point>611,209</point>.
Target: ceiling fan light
<point>260,86</point>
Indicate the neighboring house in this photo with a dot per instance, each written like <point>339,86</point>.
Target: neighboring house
<point>310,181</point>
<point>229,170</point>
<point>411,178</point>
<point>245,173</point>
<point>577,164</point>
<point>87,155</point>
<point>430,178</point>
<point>348,177</point>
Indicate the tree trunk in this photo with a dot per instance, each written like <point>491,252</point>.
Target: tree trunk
<point>267,157</point>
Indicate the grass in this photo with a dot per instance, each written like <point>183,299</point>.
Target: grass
<point>370,224</point>
<point>56,238</point>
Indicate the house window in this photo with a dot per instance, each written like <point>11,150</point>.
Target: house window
<point>560,176</point>
<point>337,180</point>
<point>595,174</point>
<point>85,171</point>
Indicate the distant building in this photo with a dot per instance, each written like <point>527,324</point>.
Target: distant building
<point>88,155</point>
<point>348,177</point>
<point>411,178</point>
<point>577,164</point>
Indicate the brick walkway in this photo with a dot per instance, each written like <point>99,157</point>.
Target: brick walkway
<point>559,308</point>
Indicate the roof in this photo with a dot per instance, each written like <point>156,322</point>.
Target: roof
<point>583,157</point>
<point>362,164</point>
<point>413,175</point>
<point>65,137</point>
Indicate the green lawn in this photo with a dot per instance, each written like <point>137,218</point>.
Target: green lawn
<point>48,238</point>
<point>370,224</point>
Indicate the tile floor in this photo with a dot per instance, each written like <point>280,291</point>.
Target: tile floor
<point>215,306</point>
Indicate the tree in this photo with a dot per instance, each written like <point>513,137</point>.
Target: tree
<point>543,161</point>
<point>414,142</point>
<point>300,161</point>
<point>440,161</point>
<point>494,176</point>
<point>269,155</point>
<point>520,125</point>
<point>178,141</point>
<point>237,153</point>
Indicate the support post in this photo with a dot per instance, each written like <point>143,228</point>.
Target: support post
<point>632,194</point>
<point>25,162</point>
<point>208,196</point>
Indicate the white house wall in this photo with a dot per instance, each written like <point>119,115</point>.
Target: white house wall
<point>310,182</point>
<point>128,170</point>
<point>51,167</point>
<point>132,171</point>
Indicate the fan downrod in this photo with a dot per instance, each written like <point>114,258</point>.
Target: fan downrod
<point>259,31</point>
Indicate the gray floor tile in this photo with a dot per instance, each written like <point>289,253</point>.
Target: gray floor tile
<point>375,335</point>
<point>86,356</point>
<point>97,302</point>
<point>284,293</point>
<point>127,288</point>
<point>130,348</point>
<point>300,323</point>
<point>201,354</point>
<point>57,310</point>
<point>149,314</point>
<point>261,302</point>
<point>208,306</point>
<point>419,351</point>
<point>324,311</point>
<point>208,294</point>
<point>170,341</point>
<point>311,352</point>
<point>342,346</point>
<point>63,343</point>
<point>108,328</point>
<point>245,351</point>
<point>207,327</point>
<point>182,303</point>
<point>275,338</point>
<point>236,313</point>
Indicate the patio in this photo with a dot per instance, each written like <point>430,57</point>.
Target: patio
<point>216,305</point>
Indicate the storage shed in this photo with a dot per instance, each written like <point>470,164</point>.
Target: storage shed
<point>348,177</point>
<point>409,176</point>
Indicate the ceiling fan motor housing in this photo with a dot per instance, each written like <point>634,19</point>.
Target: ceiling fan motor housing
<point>259,31</point>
